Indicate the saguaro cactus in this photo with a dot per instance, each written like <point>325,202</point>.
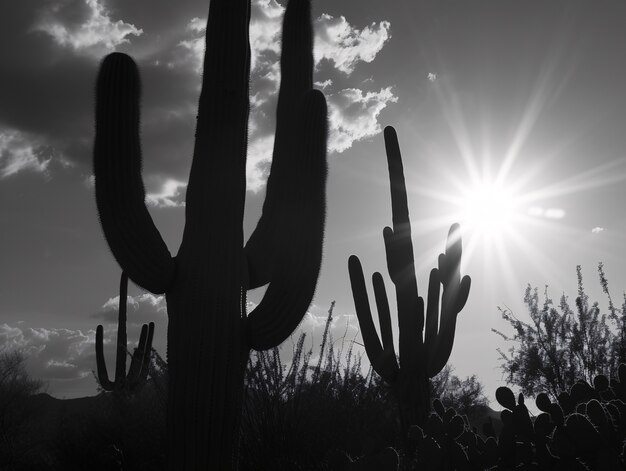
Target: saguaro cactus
<point>140,361</point>
<point>209,332</point>
<point>420,357</point>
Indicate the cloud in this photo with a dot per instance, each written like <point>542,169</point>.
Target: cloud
<point>554,213</point>
<point>549,213</point>
<point>19,153</point>
<point>324,84</point>
<point>96,33</point>
<point>345,46</point>
<point>48,84</point>
<point>259,162</point>
<point>170,195</point>
<point>265,32</point>
<point>52,354</point>
<point>89,182</point>
<point>597,230</point>
<point>141,309</point>
<point>195,45</point>
<point>353,116</point>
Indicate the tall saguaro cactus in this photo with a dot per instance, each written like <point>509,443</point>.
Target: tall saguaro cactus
<point>209,332</point>
<point>424,346</point>
<point>140,360</point>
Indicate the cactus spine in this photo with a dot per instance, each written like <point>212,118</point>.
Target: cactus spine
<point>140,362</point>
<point>209,332</point>
<point>420,357</point>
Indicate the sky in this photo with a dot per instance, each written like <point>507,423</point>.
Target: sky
<point>511,117</point>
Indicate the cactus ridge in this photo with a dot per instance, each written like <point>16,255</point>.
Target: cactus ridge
<point>140,360</point>
<point>425,338</point>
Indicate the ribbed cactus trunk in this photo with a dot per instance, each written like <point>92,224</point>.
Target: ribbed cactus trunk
<point>209,332</point>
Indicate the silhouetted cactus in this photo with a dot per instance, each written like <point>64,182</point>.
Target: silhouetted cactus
<point>140,360</point>
<point>420,357</point>
<point>209,331</point>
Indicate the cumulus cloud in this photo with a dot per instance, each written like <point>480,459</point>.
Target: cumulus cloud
<point>141,309</point>
<point>195,44</point>
<point>597,230</point>
<point>19,152</point>
<point>52,354</point>
<point>345,46</point>
<point>170,195</point>
<point>258,162</point>
<point>64,354</point>
<point>51,94</point>
<point>353,116</point>
<point>96,33</point>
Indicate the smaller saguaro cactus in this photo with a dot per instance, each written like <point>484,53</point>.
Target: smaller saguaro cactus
<point>424,347</point>
<point>140,362</point>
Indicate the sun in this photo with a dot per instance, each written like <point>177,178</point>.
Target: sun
<point>488,208</point>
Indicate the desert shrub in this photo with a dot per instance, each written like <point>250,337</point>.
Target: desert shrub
<point>561,344</point>
<point>295,414</point>
<point>16,418</point>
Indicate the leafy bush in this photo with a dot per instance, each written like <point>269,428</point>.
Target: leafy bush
<point>561,345</point>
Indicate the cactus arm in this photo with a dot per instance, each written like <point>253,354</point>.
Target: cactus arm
<point>216,188</point>
<point>140,363</point>
<point>136,362</point>
<point>101,366</point>
<point>432,311</point>
<point>400,259</point>
<point>299,260</point>
<point>388,364</point>
<point>122,338</point>
<point>454,297</point>
<point>384,315</point>
<point>128,228</point>
<point>147,353</point>
<point>371,342</point>
<point>383,362</point>
<point>296,80</point>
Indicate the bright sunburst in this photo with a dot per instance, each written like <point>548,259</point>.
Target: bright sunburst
<point>488,209</point>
